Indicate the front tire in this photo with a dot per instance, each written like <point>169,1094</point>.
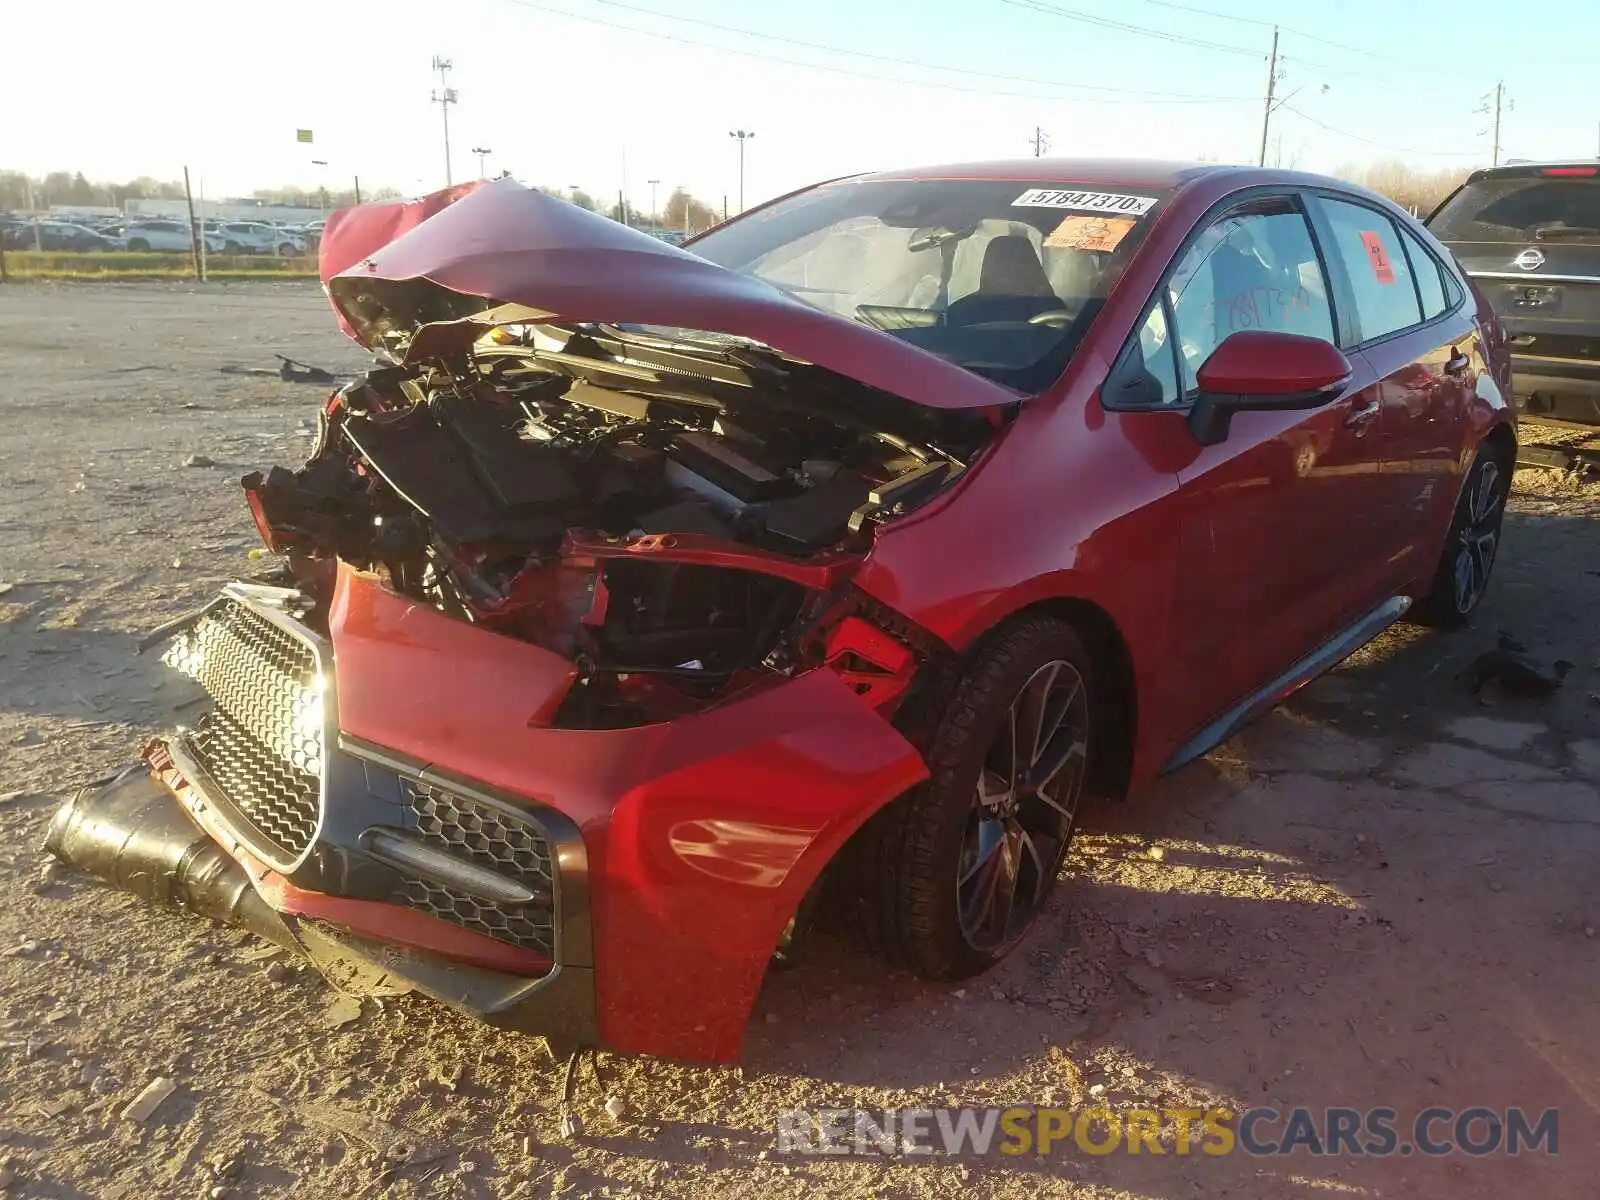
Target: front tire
<point>1471,546</point>
<point>968,860</point>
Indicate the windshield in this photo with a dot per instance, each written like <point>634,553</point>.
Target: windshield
<point>1522,209</point>
<point>1001,278</point>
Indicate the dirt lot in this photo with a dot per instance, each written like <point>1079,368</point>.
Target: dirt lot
<point>1384,894</point>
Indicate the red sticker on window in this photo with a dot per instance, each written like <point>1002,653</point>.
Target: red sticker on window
<point>1379,256</point>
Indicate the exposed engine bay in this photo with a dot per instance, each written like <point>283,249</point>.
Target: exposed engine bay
<point>676,513</point>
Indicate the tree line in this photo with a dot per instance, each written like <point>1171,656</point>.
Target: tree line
<point>22,192</point>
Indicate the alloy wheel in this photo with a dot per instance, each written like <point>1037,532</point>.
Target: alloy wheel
<point>1479,535</point>
<point>1023,808</point>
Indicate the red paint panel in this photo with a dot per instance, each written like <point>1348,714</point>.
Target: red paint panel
<point>399,661</point>
<point>703,835</point>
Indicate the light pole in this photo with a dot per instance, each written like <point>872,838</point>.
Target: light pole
<point>483,153</point>
<point>744,136</point>
<point>444,97</point>
<point>322,187</point>
<point>655,213</point>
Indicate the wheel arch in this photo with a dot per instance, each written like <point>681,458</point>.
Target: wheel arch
<point>1116,684</point>
<point>1503,438</point>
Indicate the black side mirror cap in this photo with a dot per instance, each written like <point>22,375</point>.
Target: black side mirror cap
<point>1211,416</point>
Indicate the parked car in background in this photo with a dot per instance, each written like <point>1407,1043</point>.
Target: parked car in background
<point>846,556</point>
<point>163,235</point>
<point>11,230</point>
<point>59,236</point>
<point>1530,235</point>
<point>256,237</point>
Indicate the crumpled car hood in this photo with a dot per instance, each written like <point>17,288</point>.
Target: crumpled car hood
<point>428,262</point>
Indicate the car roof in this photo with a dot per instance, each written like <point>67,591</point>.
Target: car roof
<point>1110,172</point>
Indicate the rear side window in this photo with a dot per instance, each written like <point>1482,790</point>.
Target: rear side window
<point>1368,244</point>
<point>1430,284</point>
<point>1531,208</point>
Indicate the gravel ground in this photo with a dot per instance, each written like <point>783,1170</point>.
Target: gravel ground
<point>1382,894</point>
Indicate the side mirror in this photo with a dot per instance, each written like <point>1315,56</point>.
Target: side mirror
<point>1259,370</point>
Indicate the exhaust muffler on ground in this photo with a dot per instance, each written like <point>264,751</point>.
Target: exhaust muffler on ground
<point>133,833</point>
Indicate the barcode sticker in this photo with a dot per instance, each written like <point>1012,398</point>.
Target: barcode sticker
<point>1116,203</point>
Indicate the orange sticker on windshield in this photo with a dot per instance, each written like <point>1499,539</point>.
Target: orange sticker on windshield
<point>1089,233</point>
<point>1381,267</point>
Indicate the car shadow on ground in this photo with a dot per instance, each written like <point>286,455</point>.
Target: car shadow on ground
<point>1324,912</point>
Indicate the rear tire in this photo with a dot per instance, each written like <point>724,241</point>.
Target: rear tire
<point>1471,546</point>
<point>961,867</point>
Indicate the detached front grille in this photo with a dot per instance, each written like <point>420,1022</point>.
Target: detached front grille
<point>497,840</point>
<point>263,744</point>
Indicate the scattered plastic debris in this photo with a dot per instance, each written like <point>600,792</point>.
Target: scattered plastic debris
<point>143,1106</point>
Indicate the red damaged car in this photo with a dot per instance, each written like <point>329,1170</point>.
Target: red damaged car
<point>640,600</point>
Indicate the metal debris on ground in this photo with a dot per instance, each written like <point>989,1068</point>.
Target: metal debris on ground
<point>1513,672</point>
<point>288,369</point>
<point>143,1106</point>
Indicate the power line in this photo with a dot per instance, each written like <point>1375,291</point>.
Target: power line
<point>1135,97</point>
<point>1380,145</point>
<point>1125,27</point>
<point>896,60</point>
<point>1264,24</point>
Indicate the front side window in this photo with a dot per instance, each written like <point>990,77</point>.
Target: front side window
<point>1002,278</point>
<point>1367,243</point>
<point>1252,269</point>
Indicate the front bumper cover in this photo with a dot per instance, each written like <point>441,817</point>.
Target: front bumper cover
<point>679,851</point>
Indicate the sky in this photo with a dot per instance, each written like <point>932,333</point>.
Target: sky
<point>607,94</point>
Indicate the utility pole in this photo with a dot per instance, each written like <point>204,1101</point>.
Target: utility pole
<point>1499,95</point>
<point>743,136</point>
<point>655,213</point>
<point>444,97</point>
<point>1041,142</point>
<point>1272,84</point>
<point>483,153</point>
<point>1493,103</point>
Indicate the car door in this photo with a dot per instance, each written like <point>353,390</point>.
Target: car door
<point>1276,543</point>
<point>1422,349</point>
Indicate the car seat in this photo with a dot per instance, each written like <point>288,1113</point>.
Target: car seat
<point>1012,286</point>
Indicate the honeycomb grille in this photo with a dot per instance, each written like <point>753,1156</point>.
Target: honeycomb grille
<point>488,837</point>
<point>262,744</point>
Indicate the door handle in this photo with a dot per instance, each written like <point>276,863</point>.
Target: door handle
<point>1457,363</point>
<point>1360,416</point>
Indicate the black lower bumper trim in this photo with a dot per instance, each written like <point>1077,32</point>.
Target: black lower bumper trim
<point>133,832</point>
